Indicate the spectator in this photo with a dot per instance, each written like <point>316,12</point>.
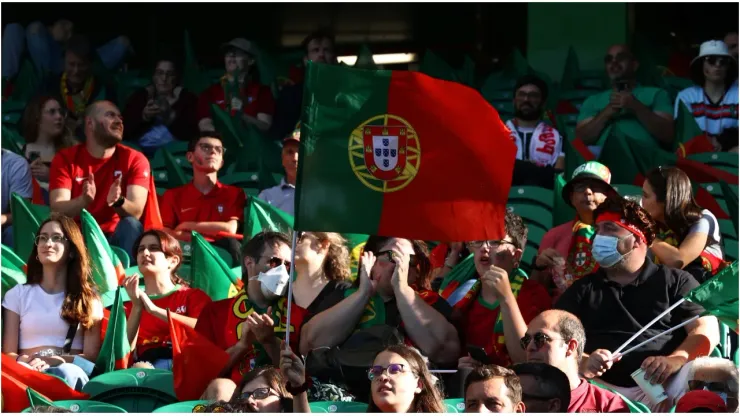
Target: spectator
<point>318,46</point>
<point>401,383</point>
<point>16,178</point>
<point>492,308</point>
<point>536,141</point>
<point>205,205</point>
<point>158,257</point>
<point>45,134</point>
<point>688,236</point>
<point>713,100</point>
<point>77,88</point>
<point>640,113</point>
<point>627,292</point>
<point>565,251</point>
<point>121,175</point>
<point>731,42</point>
<point>283,195</point>
<point>717,375</point>
<point>701,401</point>
<point>239,91</point>
<point>162,112</point>
<point>545,389</point>
<point>57,303</point>
<point>557,338</point>
<point>493,389</point>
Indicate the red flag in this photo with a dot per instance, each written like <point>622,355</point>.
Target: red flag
<point>16,378</point>
<point>699,144</point>
<point>196,361</point>
<point>707,201</point>
<point>582,149</point>
<point>151,217</point>
<point>38,193</point>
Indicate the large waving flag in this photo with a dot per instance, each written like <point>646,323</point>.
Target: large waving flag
<point>209,273</point>
<point>115,351</point>
<point>719,296</point>
<point>107,270</point>
<point>16,379</point>
<point>690,137</point>
<point>27,219</point>
<point>151,218</point>
<point>377,154</point>
<point>260,216</point>
<point>195,360</point>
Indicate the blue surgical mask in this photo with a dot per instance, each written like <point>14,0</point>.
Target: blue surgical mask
<point>604,250</point>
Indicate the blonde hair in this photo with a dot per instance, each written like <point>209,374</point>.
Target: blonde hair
<point>336,263</point>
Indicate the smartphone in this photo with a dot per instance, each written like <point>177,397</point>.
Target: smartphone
<point>33,156</point>
<point>622,86</point>
<point>478,354</point>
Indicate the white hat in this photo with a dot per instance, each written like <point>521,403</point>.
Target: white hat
<point>712,48</point>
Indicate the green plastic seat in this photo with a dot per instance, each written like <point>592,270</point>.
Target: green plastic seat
<point>241,179</point>
<point>455,405</point>
<point>628,190</point>
<point>252,191</point>
<point>181,407</point>
<point>505,108</point>
<point>531,194</point>
<point>575,95</point>
<point>136,390</point>
<point>716,159</point>
<point>727,229</point>
<point>533,214</point>
<point>122,256</point>
<point>84,406</point>
<point>338,407</point>
<point>731,249</point>
<point>715,189</point>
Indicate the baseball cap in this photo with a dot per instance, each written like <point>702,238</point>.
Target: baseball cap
<point>295,136</point>
<point>239,43</point>
<point>588,170</point>
<point>701,399</point>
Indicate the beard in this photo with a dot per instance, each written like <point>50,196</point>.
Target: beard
<point>528,114</point>
<point>103,137</point>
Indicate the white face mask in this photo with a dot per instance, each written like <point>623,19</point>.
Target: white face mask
<point>604,250</point>
<point>274,282</point>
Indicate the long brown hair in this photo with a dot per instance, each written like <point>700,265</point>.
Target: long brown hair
<point>673,187</point>
<point>430,398</point>
<point>32,119</point>
<point>170,247</point>
<point>336,263</point>
<point>79,291</point>
<point>274,379</point>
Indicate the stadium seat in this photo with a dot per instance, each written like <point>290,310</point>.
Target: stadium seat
<point>731,249</point>
<point>181,407</point>
<point>531,194</point>
<point>455,405</point>
<point>84,406</point>
<point>137,390</point>
<point>718,160</point>
<point>727,228</point>
<point>122,256</point>
<point>241,179</point>
<point>11,139</point>
<point>338,407</point>
<point>535,233</point>
<point>532,214</point>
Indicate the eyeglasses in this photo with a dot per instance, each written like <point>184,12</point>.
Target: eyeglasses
<point>207,148</point>
<point>55,238</point>
<point>389,255</point>
<point>258,394</point>
<point>622,56</point>
<point>540,340</point>
<point>717,60</point>
<point>378,370</point>
<point>491,243</point>
<point>277,261</point>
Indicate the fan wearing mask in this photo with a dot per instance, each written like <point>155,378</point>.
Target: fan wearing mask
<point>625,294</point>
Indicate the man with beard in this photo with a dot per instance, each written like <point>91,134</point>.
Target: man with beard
<point>103,176</point>
<point>205,205</point>
<point>626,110</point>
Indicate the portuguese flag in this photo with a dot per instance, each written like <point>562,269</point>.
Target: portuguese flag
<point>115,351</point>
<point>401,154</point>
<point>209,273</point>
<point>107,269</point>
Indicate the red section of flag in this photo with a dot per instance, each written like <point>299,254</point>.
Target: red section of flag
<point>151,218</point>
<point>707,201</point>
<point>699,172</point>
<point>196,361</point>
<point>460,190</point>
<point>38,194</point>
<point>699,144</point>
<point>582,149</point>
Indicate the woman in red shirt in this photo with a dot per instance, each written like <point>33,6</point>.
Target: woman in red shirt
<point>239,91</point>
<point>159,256</point>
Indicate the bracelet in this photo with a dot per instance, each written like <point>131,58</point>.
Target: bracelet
<point>300,389</point>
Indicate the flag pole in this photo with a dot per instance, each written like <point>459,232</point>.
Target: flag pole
<point>666,332</point>
<point>657,318</point>
<point>290,289</point>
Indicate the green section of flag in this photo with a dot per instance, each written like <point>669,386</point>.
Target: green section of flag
<point>562,212</point>
<point>115,349</point>
<point>685,125</point>
<point>260,216</point>
<point>571,72</point>
<point>719,296</point>
<point>36,399</point>
<point>208,272</point>
<point>461,273</point>
<point>365,58</point>
<point>195,80</point>
<point>175,175</point>
<point>27,219</point>
<point>10,278</point>
<point>102,260</point>
<point>731,199</point>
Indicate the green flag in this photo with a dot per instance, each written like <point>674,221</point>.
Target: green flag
<point>434,66</point>
<point>175,175</point>
<point>12,140</point>
<point>26,82</point>
<point>571,72</point>
<point>10,278</point>
<point>732,202</point>
<point>107,270</point>
<point>27,219</point>
<point>461,273</point>
<point>260,216</point>
<point>562,212</point>
<point>209,273</point>
<point>11,260</point>
<point>719,296</point>
<point>365,58</point>
<point>195,80</point>
<point>516,65</point>
<point>115,350</point>
<point>36,399</point>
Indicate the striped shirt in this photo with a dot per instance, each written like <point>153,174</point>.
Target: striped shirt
<point>713,118</point>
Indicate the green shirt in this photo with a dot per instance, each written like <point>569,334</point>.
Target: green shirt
<point>626,122</point>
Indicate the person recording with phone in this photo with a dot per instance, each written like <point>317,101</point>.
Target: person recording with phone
<point>643,114</point>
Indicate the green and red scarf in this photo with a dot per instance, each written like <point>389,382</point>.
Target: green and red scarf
<point>580,262</point>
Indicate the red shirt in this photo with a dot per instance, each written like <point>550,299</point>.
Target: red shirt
<point>587,398</point>
<point>71,166</point>
<point>154,332</point>
<point>480,320</point>
<point>257,98</point>
<point>186,203</point>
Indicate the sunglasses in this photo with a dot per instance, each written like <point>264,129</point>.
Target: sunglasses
<point>277,261</point>
<point>620,57</point>
<point>717,60</point>
<point>491,243</point>
<point>540,340</point>
<point>378,370</point>
<point>389,255</point>
<point>258,394</point>
<point>55,238</point>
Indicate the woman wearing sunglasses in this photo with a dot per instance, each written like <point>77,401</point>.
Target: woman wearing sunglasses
<point>158,256</point>
<point>57,305</point>
<point>401,383</point>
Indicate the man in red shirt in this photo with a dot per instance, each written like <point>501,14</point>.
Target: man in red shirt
<point>103,176</point>
<point>205,205</point>
<point>239,91</point>
<point>557,338</point>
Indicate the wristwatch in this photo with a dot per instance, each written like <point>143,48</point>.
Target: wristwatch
<point>119,202</point>
<point>300,389</point>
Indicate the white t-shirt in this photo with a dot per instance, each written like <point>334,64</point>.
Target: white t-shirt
<point>711,118</point>
<point>41,320</point>
<point>542,145</point>
<point>708,224</point>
